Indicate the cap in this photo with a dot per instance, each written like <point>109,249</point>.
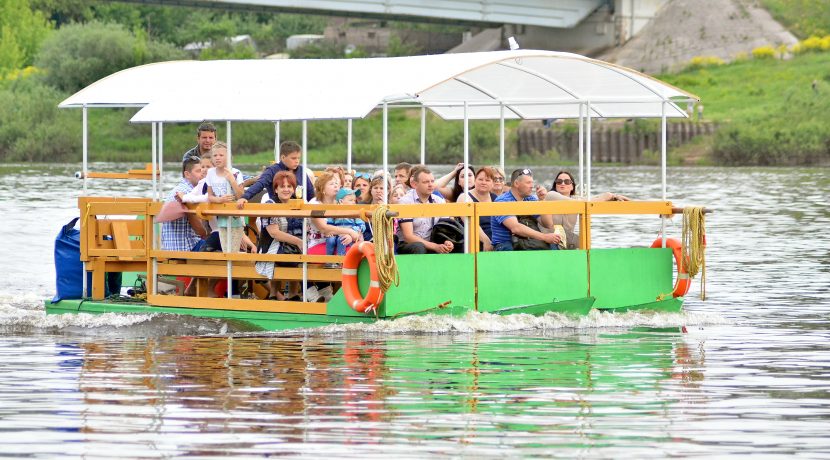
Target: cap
<point>346,191</point>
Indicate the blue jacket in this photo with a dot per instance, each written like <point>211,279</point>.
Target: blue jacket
<point>266,181</point>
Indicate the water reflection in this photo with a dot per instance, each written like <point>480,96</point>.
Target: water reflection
<point>462,391</point>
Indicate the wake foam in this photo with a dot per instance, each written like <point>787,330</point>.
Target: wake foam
<point>487,322</point>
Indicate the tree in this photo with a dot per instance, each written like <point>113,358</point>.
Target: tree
<point>21,32</point>
<point>77,55</point>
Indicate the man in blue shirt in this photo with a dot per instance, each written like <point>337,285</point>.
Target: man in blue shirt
<point>504,227</point>
<point>289,161</point>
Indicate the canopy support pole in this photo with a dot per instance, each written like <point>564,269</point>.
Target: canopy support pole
<point>663,132</point>
<point>501,135</point>
<point>348,146</point>
<point>304,167</point>
<point>154,153</point>
<point>466,182</point>
<point>276,141</point>
<point>588,152</point>
<point>386,148</point>
<point>161,161</point>
<point>423,135</point>
<point>84,155</point>
<point>581,190</point>
<point>229,292</point>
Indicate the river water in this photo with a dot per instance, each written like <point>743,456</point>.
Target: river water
<point>746,372</point>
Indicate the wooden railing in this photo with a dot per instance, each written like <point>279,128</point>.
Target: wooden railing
<point>121,244</point>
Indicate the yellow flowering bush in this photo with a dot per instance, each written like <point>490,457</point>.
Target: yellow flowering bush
<point>699,62</point>
<point>763,52</point>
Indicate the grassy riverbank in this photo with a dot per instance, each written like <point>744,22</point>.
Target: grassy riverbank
<point>772,111</point>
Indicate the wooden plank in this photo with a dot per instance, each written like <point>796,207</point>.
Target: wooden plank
<point>272,306</point>
<point>245,257</point>
<point>530,208</point>
<point>121,237</point>
<point>241,271</point>
<point>125,266</point>
<point>630,207</point>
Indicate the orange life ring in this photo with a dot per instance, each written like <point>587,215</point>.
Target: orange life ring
<point>683,282</point>
<point>351,291</point>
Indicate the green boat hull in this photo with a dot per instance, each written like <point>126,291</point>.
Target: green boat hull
<point>568,282</point>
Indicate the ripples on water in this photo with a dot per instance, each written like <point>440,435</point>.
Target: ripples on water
<point>744,373</point>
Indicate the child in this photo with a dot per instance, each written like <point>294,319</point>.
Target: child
<point>223,186</point>
<point>333,244</point>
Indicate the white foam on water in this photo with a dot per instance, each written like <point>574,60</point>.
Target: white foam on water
<point>488,322</point>
<point>26,311</point>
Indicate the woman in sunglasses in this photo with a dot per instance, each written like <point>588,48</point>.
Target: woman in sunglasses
<point>361,182</point>
<point>564,188</point>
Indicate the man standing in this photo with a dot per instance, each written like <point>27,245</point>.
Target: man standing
<point>289,161</point>
<point>504,227</point>
<point>414,234</point>
<point>205,138</point>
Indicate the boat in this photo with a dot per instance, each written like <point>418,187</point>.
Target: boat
<point>499,85</point>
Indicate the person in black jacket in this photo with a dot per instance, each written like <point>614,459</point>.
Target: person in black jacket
<point>289,161</point>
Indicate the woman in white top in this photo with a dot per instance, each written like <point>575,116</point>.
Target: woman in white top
<point>325,191</point>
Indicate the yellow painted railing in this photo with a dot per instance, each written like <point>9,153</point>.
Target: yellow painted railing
<point>131,243</point>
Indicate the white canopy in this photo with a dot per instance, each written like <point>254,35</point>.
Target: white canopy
<point>530,84</point>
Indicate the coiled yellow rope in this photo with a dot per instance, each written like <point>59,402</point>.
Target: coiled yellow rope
<point>382,229</point>
<point>693,244</point>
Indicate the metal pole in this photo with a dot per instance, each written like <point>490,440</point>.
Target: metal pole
<point>276,141</point>
<point>154,149</point>
<point>466,182</point>
<point>229,264</point>
<point>385,147</point>
<point>581,150</point>
<point>349,146</point>
<point>588,152</point>
<point>501,136</point>
<point>663,129</point>
<point>85,150</point>
<point>304,167</point>
<point>161,161</point>
<point>423,135</point>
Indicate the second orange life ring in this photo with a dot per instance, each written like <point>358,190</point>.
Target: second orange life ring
<point>351,292</point>
<point>683,282</point>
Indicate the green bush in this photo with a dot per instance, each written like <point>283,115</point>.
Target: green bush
<point>77,55</point>
<point>31,126</point>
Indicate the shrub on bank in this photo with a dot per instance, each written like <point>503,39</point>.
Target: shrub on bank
<point>31,126</point>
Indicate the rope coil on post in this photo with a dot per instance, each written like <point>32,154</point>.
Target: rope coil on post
<point>694,244</point>
<point>382,230</point>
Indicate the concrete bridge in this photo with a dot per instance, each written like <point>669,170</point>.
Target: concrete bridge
<point>584,26</point>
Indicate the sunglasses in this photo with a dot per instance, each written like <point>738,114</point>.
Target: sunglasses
<point>192,159</point>
<point>499,179</point>
<point>362,176</point>
<point>563,181</point>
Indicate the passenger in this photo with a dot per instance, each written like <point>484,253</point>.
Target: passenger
<point>504,227</point>
<point>459,176</point>
<point>223,186</point>
<point>289,161</point>
<point>285,235</point>
<point>184,233</point>
<point>340,172</point>
<point>334,246</point>
<point>402,174</point>
<point>348,179</point>
<point>376,192</point>
<point>414,234</point>
<point>361,182</point>
<point>482,194</point>
<point>325,188</point>
<point>205,138</point>
<point>564,188</point>
<point>498,181</point>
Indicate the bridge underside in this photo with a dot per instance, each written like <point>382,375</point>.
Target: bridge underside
<point>482,13</point>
